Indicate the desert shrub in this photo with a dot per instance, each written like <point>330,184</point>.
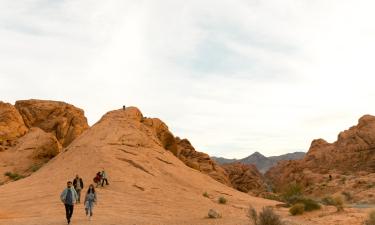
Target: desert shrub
<point>13,176</point>
<point>309,204</point>
<point>266,217</point>
<point>35,167</point>
<point>222,200</point>
<point>297,209</point>
<point>334,201</point>
<point>292,193</point>
<point>371,218</point>
<point>205,194</point>
<point>348,195</point>
<point>272,196</point>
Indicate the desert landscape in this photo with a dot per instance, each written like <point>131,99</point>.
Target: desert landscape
<point>158,178</point>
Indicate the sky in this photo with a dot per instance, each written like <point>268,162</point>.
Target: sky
<point>232,76</point>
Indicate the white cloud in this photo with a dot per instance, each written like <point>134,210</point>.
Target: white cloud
<point>232,76</point>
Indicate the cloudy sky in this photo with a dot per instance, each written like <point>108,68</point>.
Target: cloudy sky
<point>232,76</point>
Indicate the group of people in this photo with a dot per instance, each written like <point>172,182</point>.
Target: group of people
<point>72,194</point>
<point>100,178</point>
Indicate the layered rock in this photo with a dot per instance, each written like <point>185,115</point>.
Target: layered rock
<point>245,177</point>
<point>352,153</point>
<point>30,152</point>
<point>63,120</point>
<point>11,125</point>
<point>200,161</point>
<point>183,150</point>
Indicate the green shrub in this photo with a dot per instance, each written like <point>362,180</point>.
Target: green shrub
<point>371,218</point>
<point>222,200</point>
<point>266,217</point>
<point>35,167</point>
<point>205,194</point>
<point>297,209</point>
<point>13,176</point>
<point>309,204</point>
<point>292,193</point>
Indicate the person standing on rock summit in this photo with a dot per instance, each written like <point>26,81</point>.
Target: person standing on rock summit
<point>69,198</point>
<point>78,186</point>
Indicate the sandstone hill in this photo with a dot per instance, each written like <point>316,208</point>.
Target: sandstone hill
<point>148,183</point>
<point>345,166</point>
<point>261,162</point>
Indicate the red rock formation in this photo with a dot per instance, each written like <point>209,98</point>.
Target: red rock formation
<point>30,152</point>
<point>352,153</point>
<point>63,120</point>
<point>200,161</point>
<point>183,150</point>
<point>245,177</point>
<point>11,125</point>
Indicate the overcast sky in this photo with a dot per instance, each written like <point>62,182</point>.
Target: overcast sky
<point>232,76</point>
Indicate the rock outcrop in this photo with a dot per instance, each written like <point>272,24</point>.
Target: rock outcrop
<point>30,153</point>
<point>11,125</point>
<point>245,178</point>
<point>352,154</point>
<point>34,131</point>
<point>183,150</point>
<point>63,120</point>
<point>200,161</point>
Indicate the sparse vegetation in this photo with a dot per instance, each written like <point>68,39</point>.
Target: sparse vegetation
<point>292,193</point>
<point>205,194</point>
<point>266,217</point>
<point>309,204</point>
<point>13,176</point>
<point>348,195</point>
<point>297,209</point>
<point>334,201</point>
<point>222,200</point>
<point>35,167</point>
<point>371,218</point>
<point>272,196</point>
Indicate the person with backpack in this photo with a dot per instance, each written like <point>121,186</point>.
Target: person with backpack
<point>69,198</point>
<point>98,178</point>
<point>78,186</point>
<point>90,199</point>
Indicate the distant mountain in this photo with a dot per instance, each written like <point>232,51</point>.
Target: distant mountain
<point>262,162</point>
<point>222,160</point>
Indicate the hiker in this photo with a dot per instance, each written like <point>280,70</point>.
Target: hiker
<point>78,186</point>
<point>69,197</point>
<point>98,179</point>
<point>104,178</point>
<point>123,107</point>
<point>90,199</point>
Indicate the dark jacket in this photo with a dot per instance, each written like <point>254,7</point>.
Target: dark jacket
<point>75,183</point>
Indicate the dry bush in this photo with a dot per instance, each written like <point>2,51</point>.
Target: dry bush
<point>297,209</point>
<point>371,218</point>
<point>266,217</point>
<point>222,200</point>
